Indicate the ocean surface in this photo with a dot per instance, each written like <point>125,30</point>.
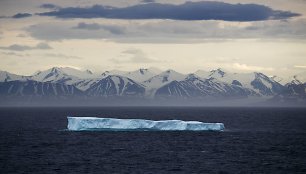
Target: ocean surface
<point>256,140</point>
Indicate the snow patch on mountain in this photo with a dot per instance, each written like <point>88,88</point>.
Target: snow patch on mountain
<point>160,80</point>
<point>113,72</point>
<point>140,75</point>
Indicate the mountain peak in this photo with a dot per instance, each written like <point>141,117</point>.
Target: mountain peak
<point>263,76</point>
<point>143,71</point>
<point>170,71</point>
<point>192,77</point>
<point>105,73</point>
<point>88,71</point>
<point>218,71</point>
<point>55,69</point>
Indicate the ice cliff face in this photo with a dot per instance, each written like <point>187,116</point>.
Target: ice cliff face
<point>94,123</point>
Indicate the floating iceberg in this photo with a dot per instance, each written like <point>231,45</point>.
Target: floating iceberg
<point>94,123</point>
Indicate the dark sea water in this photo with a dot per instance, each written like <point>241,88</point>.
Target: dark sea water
<point>256,140</point>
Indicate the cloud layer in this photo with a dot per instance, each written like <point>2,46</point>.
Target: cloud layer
<point>49,6</point>
<point>168,31</point>
<point>17,47</point>
<point>22,15</point>
<point>204,10</point>
<point>135,56</point>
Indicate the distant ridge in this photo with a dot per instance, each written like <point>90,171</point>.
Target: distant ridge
<point>152,84</point>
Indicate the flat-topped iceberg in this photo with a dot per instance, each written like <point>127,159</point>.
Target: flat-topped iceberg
<point>94,123</point>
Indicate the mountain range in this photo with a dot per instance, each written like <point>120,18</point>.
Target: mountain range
<point>64,83</point>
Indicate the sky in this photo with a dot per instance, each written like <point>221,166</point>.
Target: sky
<point>266,36</point>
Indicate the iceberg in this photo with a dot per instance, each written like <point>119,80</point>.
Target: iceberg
<point>113,124</point>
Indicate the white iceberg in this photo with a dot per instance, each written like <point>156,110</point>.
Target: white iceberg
<point>94,123</point>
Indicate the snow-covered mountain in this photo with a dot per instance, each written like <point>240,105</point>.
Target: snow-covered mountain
<point>154,70</point>
<point>113,72</point>
<point>195,87</point>
<point>258,82</point>
<point>6,77</point>
<point>35,89</point>
<point>296,87</point>
<point>299,78</point>
<point>64,74</point>
<point>68,76</point>
<point>156,82</point>
<point>114,85</point>
<point>145,83</point>
<point>140,75</point>
<point>84,84</point>
<point>163,78</point>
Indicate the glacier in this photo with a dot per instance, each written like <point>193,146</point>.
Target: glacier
<point>112,124</point>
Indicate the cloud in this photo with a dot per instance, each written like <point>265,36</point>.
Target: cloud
<point>203,10</point>
<point>300,66</point>
<point>238,67</point>
<point>244,67</point>
<point>21,35</point>
<point>21,15</point>
<point>133,56</point>
<point>15,54</point>
<point>42,46</point>
<point>49,55</point>
<point>62,56</point>
<point>17,47</point>
<point>49,6</point>
<point>164,31</point>
<point>94,26</point>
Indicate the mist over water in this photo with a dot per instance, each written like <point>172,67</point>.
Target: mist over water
<point>148,102</point>
<point>256,140</point>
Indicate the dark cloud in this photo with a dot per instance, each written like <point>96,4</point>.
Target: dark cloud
<point>17,47</point>
<point>92,26</point>
<point>205,10</point>
<point>49,6</point>
<point>21,15</point>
